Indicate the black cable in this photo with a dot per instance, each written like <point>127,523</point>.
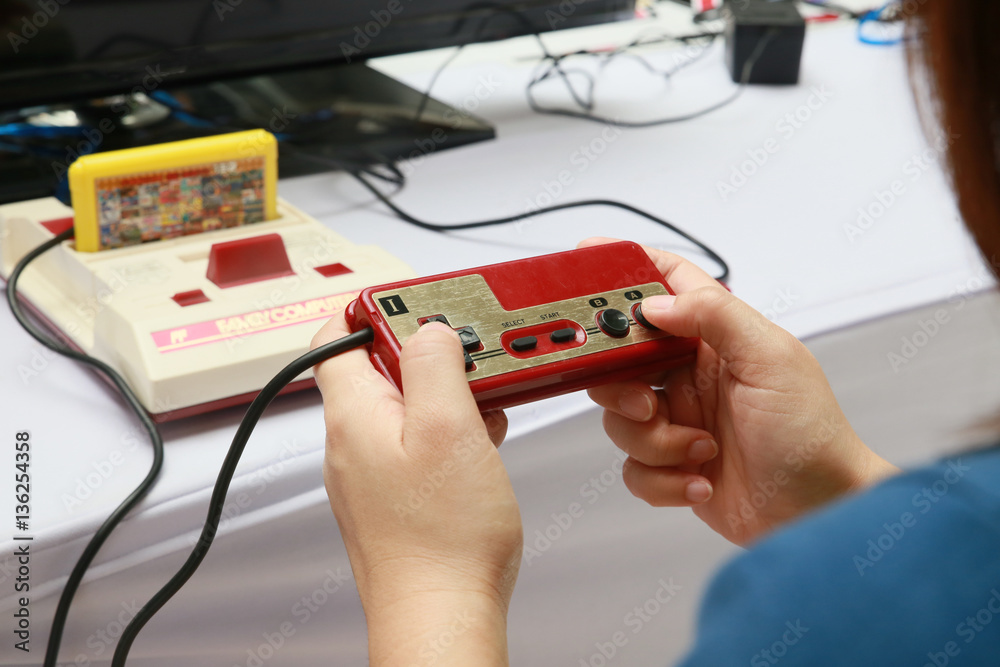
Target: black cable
<point>613,122</point>
<point>624,50</point>
<point>426,97</point>
<point>216,504</point>
<point>395,176</point>
<point>585,100</point>
<point>435,227</point>
<point>498,10</point>
<point>76,576</point>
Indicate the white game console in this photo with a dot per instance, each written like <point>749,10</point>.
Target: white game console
<point>199,322</point>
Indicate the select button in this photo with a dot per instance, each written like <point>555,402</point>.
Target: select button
<point>524,344</point>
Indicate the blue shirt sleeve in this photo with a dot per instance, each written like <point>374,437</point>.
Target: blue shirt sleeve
<point>905,574</point>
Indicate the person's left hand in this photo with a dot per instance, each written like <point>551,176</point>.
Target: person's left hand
<point>421,496</point>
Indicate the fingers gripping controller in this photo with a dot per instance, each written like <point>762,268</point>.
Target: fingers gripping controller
<point>532,328</point>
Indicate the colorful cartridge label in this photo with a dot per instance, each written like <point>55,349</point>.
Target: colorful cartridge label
<point>145,207</point>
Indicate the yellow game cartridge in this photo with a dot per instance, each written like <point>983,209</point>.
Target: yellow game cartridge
<point>138,195</point>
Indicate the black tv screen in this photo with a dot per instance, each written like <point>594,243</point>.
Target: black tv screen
<point>62,50</point>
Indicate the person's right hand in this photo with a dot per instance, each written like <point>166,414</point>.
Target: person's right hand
<point>751,435</point>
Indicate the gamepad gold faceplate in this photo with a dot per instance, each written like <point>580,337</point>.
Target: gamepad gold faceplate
<point>468,301</point>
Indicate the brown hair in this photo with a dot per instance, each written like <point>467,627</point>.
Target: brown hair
<point>954,53</point>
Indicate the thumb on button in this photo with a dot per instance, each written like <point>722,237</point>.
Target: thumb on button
<point>737,332</point>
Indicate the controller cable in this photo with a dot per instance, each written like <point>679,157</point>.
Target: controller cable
<point>444,229</point>
<point>102,533</point>
<point>217,502</point>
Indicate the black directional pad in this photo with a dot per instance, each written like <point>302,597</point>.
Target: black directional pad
<point>470,339</point>
<point>469,365</point>
<point>434,318</point>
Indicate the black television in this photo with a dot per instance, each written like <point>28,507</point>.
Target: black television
<point>88,63</point>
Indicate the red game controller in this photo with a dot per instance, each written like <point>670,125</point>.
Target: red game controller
<point>532,328</point>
